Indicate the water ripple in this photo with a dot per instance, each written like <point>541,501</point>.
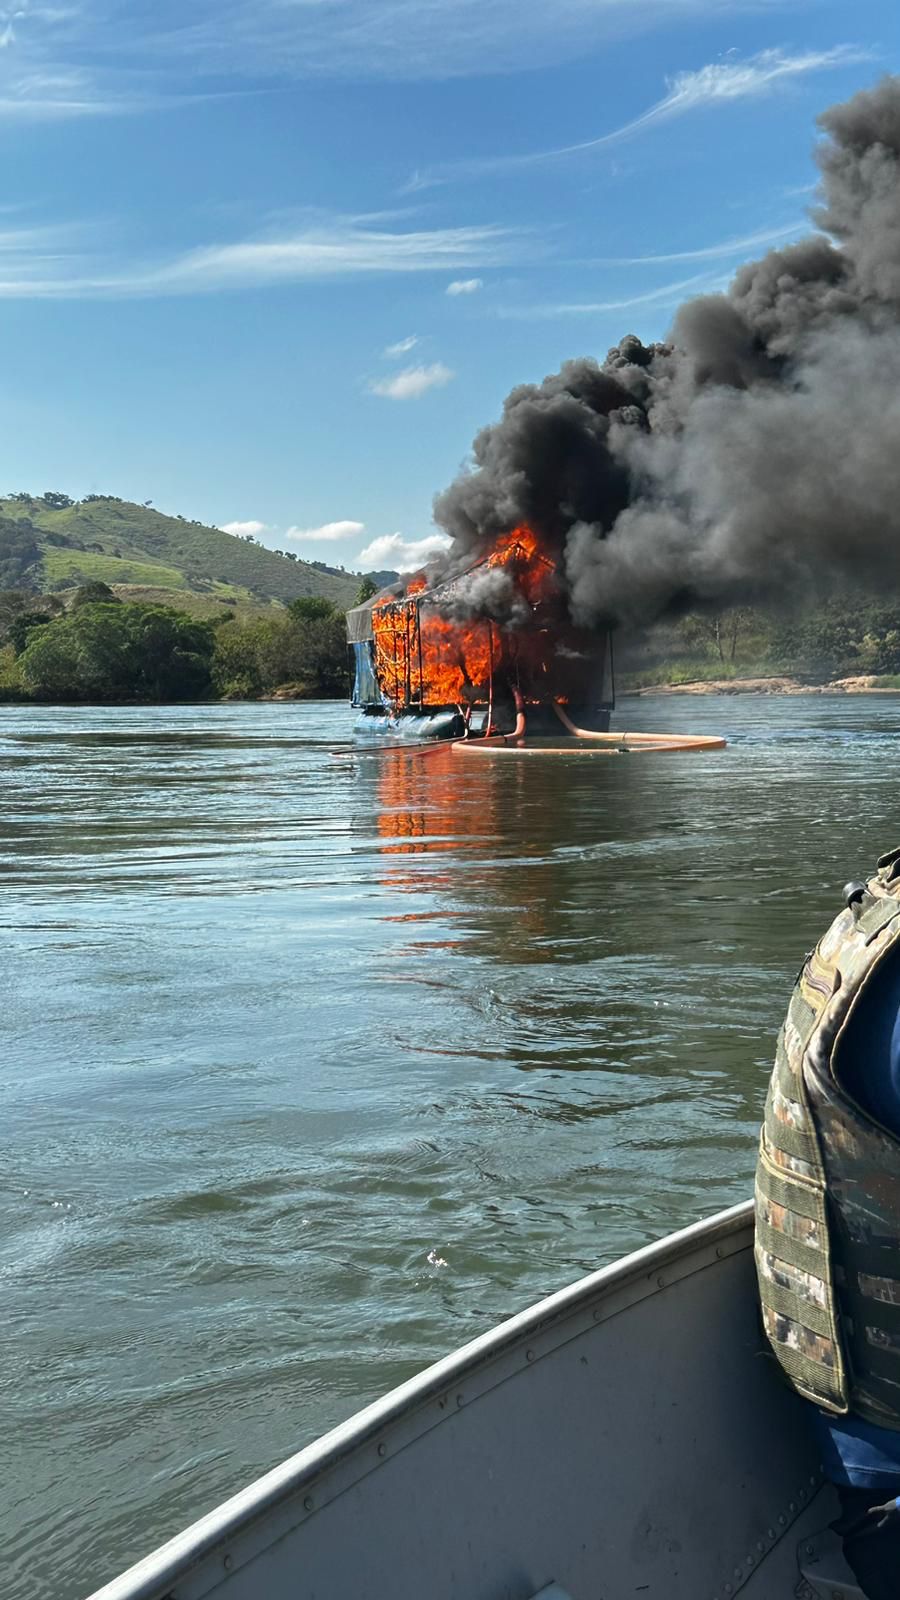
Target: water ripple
<point>315,1068</point>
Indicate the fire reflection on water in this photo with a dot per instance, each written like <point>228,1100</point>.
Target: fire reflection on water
<point>418,808</point>
<point>425,812</point>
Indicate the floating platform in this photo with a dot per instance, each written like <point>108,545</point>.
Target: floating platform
<point>594,744</point>
<point>588,742</point>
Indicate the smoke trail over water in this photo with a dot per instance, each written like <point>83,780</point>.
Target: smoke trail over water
<point>754,454</point>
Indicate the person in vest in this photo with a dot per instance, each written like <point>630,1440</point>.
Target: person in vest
<point>828,1214</point>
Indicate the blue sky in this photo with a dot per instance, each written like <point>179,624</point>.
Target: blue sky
<point>274,262</point>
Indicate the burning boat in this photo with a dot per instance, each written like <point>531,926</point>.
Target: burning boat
<point>485,652</point>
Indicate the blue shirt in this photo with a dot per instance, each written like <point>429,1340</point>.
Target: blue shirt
<point>854,1452</point>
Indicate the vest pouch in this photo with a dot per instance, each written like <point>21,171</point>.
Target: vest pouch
<point>828,1183</point>
<point>794,1271</point>
<point>889,865</point>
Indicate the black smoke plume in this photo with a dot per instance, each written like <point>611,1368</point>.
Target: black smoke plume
<point>753,456</point>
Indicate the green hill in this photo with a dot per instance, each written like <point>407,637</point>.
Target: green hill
<point>48,543</point>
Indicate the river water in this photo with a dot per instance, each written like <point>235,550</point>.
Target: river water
<point>316,1067</point>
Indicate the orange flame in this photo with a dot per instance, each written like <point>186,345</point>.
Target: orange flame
<point>521,546</point>
<point>424,660</point>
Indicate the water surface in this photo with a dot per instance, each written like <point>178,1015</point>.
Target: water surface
<point>316,1067</point>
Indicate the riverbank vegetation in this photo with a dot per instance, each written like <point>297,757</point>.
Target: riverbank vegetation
<point>98,648</point>
<point>849,637</point>
<point>90,645</point>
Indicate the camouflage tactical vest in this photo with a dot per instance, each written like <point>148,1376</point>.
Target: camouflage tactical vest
<point>828,1183</point>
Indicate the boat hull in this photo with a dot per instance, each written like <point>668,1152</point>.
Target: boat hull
<point>409,727</point>
<point>627,1435</point>
<point>447,722</point>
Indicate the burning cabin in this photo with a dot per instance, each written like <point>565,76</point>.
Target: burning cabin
<point>488,651</point>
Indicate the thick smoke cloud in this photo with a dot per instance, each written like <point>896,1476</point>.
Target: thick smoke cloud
<point>754,455</point>
<point>486,592</point>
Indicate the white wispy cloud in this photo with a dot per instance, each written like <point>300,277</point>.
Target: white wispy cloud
<point>403,555</point>
<point>56,64</point>
<point>341,248</point>
<point>36,81</point>
<point>321,249</point>
<point>327,532</point>
<point>133,55</point>
<point>722,251</point>
<point>243,528</point>
<point>718,83</point>
<point>413,382</point>
<point>41,97</point>
<point>101,57</point>
<point>393,39</point>
<point>667,294</point>
<point>465,286</point>
<point>402,347</point>
<point>28,241</point>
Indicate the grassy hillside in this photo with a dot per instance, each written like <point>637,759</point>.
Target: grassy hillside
<point>203,606</point>
<point>48,547</point>
<point>69,567</point>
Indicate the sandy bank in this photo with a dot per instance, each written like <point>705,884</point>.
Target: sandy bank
<point>866,684</point>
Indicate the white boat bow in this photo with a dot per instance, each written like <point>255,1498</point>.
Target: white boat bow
<point>628,1435</point>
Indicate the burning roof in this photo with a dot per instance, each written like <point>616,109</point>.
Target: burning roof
<point>498,629</point>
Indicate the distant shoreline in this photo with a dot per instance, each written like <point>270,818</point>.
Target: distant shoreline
<point>229,700</point>
<point>865,684</point>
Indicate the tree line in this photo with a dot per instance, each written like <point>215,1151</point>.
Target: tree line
<point>100,648</point>
<point>95,647</point>
<point>854,635</point>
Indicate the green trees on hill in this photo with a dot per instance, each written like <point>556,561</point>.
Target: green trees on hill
<point>96,647</point>
<point>306,649</point>
<point>103,648</point>
<point>18,552</point>
<point>110,651</point>
<point>22,624</point>
<point>841,640</point>
<point>92,594</point>
<point>854,635</point>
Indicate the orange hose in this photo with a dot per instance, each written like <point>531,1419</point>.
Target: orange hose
<point>651,741</point>
<point>519,729</point>
<point>500,747</point>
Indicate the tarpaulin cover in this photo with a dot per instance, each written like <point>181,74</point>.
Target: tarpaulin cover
<point>365,688</point>
<point>359,623</point>
<point>359,620</point>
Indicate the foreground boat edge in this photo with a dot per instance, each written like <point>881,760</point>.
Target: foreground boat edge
<point>549,1322</point>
